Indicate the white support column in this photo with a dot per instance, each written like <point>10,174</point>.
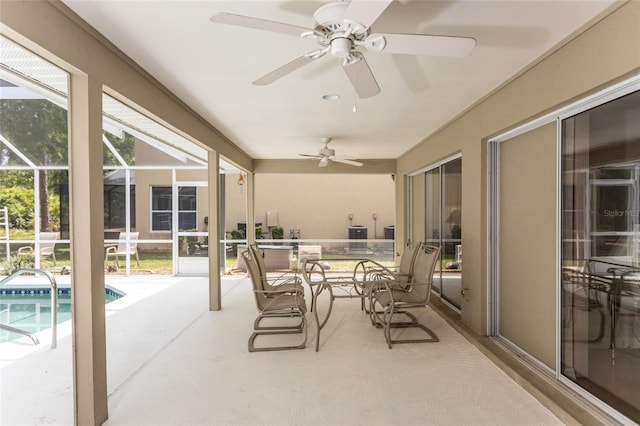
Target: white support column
<point>87,251</point>
<point>215,293</point>
<point>36,216</point>
<point>251,227</point>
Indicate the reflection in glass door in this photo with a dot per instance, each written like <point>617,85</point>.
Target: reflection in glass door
<point>432,217</point>
<point>600,328</point>
<point>443,212</point>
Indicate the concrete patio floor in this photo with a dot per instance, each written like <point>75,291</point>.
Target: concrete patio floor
<point>173,362</point>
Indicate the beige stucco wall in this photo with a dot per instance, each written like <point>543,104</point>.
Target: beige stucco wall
<point>606,52</point>
<point>317,204</point>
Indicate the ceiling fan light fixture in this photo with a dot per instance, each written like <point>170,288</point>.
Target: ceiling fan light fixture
<point>340,47</point>
<point>331,97</point>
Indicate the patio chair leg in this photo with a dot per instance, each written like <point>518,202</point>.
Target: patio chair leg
<point>253,348</point>
<point>413,323</point>
<point>272,331</point>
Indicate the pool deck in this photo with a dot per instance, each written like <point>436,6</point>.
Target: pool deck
<point>171,361</point>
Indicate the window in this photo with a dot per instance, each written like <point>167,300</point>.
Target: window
<point>600,252</point>
<point>161,208</point>
<point>187,205</point>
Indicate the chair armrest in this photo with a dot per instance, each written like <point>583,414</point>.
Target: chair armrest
<point>373,270</point>
<point>388,285</point>
<point>24,250</point>
<point>283,279</point>
<point>275,293</point>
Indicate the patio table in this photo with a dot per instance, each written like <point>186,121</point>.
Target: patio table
<point>338,285</point>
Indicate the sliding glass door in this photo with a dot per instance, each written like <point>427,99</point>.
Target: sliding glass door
<point>601,251</point>
<point>442,215</point>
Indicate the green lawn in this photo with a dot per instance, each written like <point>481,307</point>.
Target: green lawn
<point>161,263</point>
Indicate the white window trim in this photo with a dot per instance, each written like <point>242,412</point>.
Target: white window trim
<point>152,211</point>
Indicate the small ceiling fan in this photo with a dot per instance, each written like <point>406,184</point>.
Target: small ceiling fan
<point>341,28</point>
<point>327,154</point>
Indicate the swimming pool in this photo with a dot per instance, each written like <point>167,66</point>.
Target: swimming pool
<point>29,308</point>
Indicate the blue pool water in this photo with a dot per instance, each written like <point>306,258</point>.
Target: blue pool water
<point>29,309</point>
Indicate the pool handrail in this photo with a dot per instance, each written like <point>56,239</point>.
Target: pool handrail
<point>31,336</point>
<point>54,303</point>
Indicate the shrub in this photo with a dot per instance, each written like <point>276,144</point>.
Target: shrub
<point>17,262</point>
<point>19,202</point>
<point>277,232</point>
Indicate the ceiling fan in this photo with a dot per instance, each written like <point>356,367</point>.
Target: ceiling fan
<point>341,28</point>
<point>327,154</point>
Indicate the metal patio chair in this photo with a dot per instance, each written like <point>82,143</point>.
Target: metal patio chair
<point>284,283</point>
<point>391,297</point>
<point>373,272</point>
<point>277,308</point>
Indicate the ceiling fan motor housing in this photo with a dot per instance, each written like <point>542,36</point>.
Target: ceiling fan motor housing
<point>329,21</point>
<point>330,15</point>
<point>327,152</point>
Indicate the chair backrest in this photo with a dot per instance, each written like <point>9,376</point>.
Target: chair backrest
<point>47,242</point>
<point>133,242</point>
<point>256,278</point>
<point>423,268</point>
<point>258,255</point>
<point>408,258</point>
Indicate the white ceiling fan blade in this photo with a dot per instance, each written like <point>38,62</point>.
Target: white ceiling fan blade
<point>314,156</point>
<point>365,12</point>
<point>258,24</point>
<point>362,78</point>
<point>285,69</point>
<point>418,44</point>
<point>346,161</point>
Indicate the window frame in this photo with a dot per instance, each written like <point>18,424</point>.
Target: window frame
<point>169,210</point>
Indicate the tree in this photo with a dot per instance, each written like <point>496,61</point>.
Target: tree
<point>38,128</point>
<point>125,146</point>
<point>16,178</point>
